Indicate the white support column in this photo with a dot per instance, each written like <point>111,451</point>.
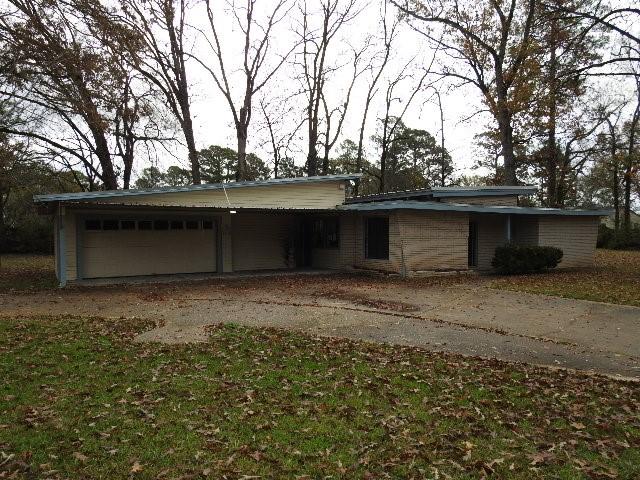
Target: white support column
<point>62,257</point>
<point>226,243</point>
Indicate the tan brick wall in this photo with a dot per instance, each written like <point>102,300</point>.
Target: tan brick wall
<point>524,230</point>
<point>434,240</point>
<point>259,241</point>
<point>492,232</point>
<point>418,240</point>
<point>576,236</point>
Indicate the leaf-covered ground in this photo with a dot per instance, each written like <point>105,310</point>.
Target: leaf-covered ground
<point>19,273</point>
<point>614,279</point>
<point>79,399</point>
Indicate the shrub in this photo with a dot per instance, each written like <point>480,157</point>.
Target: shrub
<point>618,239</point>
<point>604,236</point>
<point>511,259</point>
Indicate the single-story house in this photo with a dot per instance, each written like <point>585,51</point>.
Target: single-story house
<point>307,222</point>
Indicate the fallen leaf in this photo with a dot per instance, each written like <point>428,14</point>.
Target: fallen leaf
<point>136,467</point>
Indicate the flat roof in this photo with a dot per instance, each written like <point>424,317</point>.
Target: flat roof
<point>443,192</point>
<point>463,207</point>
<point>190,188</point>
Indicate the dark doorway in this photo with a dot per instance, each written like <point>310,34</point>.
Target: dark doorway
<point>473,244</point>
<point>304,243</point>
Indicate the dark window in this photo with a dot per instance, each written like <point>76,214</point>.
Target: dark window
<point>161,225</point>
<point>326,233</point>
<point>191,224</point>
<point>177,224</point>
<point>145,225</point>
<point>92,225</point>
<point>377,238</point>
<point>128,225</point>
<point>110,225</point>
<point>207,225</point>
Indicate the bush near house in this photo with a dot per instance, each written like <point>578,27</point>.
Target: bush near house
<point>512,259</point>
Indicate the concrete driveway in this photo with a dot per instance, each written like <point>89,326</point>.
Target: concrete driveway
<point>461,316</point>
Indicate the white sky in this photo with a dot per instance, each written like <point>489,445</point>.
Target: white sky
<point>213,119</point>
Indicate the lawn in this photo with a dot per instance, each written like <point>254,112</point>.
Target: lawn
<point>19,273</point>
<point>80,399</point>
<point>614,279</point>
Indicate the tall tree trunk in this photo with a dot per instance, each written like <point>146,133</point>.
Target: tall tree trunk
<point>241,135</point>
<point>503,115</point>
<point>629,165</point>
<point>187,129</point>
<point>552,144</point>
<point>108,175</point>
<point>383,169</point>
<point>312,155</point>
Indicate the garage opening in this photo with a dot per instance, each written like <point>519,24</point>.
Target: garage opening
<point>123,247</point>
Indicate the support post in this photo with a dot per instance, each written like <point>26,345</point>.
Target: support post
<point>62,258</point>
<point>508,228</point>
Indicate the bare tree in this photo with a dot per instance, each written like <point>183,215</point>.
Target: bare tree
<point>495,43</point>
<point>391,122</point>
<point>255,53</point>
<point>316,67</point>
<point>331,135</point>
<point>389,34</point>
<point>280,138</point>
<point>161,28</point>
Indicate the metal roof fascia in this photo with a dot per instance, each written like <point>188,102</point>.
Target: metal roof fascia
<point>460,207</point>
<point>441,192</point>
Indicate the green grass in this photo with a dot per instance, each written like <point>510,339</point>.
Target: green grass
<point>615,278</point>
<point>80,399</point>
<point>19,273</point>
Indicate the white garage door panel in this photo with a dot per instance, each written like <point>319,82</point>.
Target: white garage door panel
<point>125,253</point>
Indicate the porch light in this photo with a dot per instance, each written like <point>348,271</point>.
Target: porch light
<point>232,211</point>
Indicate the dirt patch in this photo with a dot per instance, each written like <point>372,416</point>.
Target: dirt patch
<point>367,301</point>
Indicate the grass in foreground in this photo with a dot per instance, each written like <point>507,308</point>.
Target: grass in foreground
<point>19,273</point>
<point>614,279</point>
<point>79,399</point>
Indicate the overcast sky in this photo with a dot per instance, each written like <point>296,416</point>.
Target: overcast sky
<point>213,120</point>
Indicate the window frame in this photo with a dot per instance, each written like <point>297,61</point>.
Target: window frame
<point>321,236</point>
<point>367,240</point>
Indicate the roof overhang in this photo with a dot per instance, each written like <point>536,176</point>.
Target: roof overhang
<point>463,207</point>
<point>107,194</point>
<point>169,208</point>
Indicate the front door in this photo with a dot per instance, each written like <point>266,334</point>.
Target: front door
<point>304,243</point>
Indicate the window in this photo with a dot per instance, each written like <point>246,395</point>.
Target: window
<point>177,224</point>
<point>110,225</point>
<point>326,233</point>
<point>161,225</point>
<point>191,224</point>
<point>376,237</point>
<point>92,225</point>
<point>145,225</point>
<point>207,225</point>
<point>127,225</point>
